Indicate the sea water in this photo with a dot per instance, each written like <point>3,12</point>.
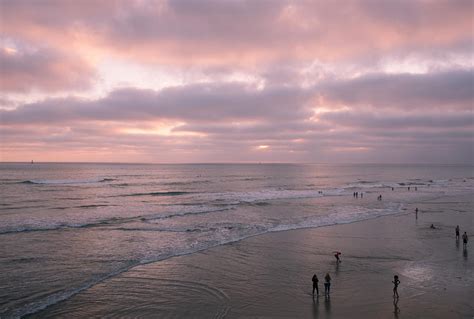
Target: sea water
<point>67,227</point>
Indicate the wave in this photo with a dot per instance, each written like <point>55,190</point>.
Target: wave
<point>176,193</point>
<point>113,220</point>
<point>66,181</point>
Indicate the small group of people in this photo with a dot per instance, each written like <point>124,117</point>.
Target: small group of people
<point>464,237</point>
<point>356,195</point>
<point>327,284</point>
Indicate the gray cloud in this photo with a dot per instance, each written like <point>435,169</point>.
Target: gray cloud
<point>43,69</point>
<point>452,89</point>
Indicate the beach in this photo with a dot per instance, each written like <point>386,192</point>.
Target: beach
<point>269,275</point>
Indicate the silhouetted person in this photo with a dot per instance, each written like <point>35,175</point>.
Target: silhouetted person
<point>432,226</point>
<point>457,232</point>
<point>416,213</point>
<point>464,240</point>
<point>408,187</point>
<point>392,188</point>
<point>327,284</point>
<point>361,195</point>
<point>338,253</point>
<point>315,284</point>
<point>395,282</point>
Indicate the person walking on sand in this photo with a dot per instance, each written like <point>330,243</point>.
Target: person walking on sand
<point>395,282</point>
<point>457,232</point>
<point>337,254</point>
<point>327,284</point>
<point>315,284</point>
<point>464,240</point>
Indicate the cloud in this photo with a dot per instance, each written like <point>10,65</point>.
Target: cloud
<point>42,69</point>
<point>244,32</point>
<point>199,102</point>
<point>450,89</point>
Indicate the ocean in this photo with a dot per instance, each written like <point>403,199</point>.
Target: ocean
<point>65,228</point>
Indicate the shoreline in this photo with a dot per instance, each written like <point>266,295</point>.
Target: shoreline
<point>223,278</point>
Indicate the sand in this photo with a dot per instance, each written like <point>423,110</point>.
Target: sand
<point>269,276</point>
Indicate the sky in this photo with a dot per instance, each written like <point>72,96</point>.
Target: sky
<point>187,81</point>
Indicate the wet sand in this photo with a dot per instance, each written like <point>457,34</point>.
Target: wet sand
<point>269,276</point>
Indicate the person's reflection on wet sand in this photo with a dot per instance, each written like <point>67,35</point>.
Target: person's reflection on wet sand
<point>396,309</point>
<point>464,253</point>
<point>327,305</point>
<point>316,308</point>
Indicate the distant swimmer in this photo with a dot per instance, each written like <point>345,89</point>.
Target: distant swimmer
<point>432,226</point>
<point>395,282</point>
<point>327,284</point>
<point>464,240</point>
<point>457,232</point>
<point>315,284</point>
<point>337,254</point>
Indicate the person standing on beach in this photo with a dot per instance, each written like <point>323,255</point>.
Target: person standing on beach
<point>327,284</point>
<point>464,240</point>
<point>457,232</point>
<point>395,282</point>
<point>315,284</point>
<point>416,212</point>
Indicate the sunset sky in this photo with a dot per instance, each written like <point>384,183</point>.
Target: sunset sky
<point>237,81</point>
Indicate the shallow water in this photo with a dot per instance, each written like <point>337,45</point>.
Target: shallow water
<point>67,227</point>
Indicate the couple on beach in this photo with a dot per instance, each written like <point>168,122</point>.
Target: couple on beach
<point>327,284</point>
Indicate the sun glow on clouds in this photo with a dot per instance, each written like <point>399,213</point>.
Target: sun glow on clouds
<point>297,80</point>
<point>159,129</point>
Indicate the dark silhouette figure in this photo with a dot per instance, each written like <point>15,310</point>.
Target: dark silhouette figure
<point>315,284</point>
<point>416,188</point>
<point>464,240</point>
<point>337,254</point>
<point>432,226</point>
<point>392,188</point>
<point>457,232</point>
<point>361,195</point>
<point>416,213</point>
<point>327,284</point>
<point>395,282</point>
<point>408,187</point>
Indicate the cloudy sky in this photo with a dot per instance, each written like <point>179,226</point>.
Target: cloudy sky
<point>237,81</point>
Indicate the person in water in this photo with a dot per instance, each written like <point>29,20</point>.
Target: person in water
<point>395,282</point>
<point>315,284</point>
<point>464,240</point>
<point>457,232</point>
<point>432,226</point>
<point>327,284</point>
<point>337,254</point>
